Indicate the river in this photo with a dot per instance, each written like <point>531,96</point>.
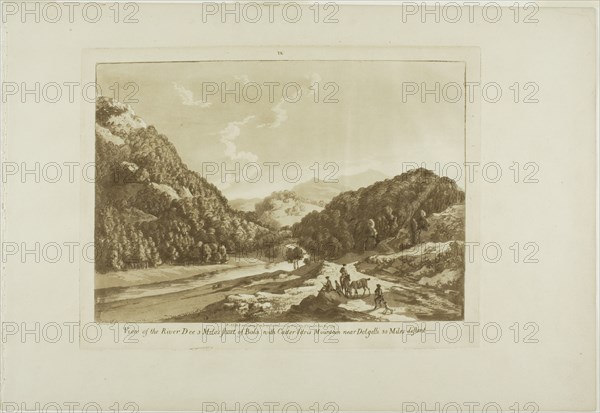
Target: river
<point>196,281</point>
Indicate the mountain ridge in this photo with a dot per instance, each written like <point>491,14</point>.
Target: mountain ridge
<point>139,169</point>
<point>343,225</point>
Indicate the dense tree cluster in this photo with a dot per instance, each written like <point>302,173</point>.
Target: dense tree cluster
<point>151,209</point>
<point>288,201</point>
<point>343,225</point>
<point>269,204</point>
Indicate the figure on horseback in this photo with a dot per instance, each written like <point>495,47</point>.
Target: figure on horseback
<point>344,280</point>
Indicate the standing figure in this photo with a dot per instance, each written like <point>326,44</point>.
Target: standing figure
<point>379,300</point>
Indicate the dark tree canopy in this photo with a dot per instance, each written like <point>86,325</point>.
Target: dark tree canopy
<point>343,225</point>
<point>151,209</point>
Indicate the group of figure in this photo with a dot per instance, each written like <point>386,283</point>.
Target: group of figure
<point>345,287</point>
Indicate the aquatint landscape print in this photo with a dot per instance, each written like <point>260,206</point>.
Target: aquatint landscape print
<point>278,191</point>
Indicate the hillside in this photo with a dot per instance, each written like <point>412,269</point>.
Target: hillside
<point>243,204</point>
<point>150,208</point>
<point>283,208</point>
<point>319,192</point>
<point>342,226</point>
<point>322,192</point>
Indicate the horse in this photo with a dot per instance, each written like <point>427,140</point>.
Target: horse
<point>362,284</point>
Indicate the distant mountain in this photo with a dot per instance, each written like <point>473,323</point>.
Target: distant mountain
<point>150,208</point>
<point>283,208</point>
<point>323,192</point>
<point>342,226</point>
<point>359,180</point>
<point>319,192</point>
<point>245,205</point>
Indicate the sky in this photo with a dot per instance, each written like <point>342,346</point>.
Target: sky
<point>285,122</point>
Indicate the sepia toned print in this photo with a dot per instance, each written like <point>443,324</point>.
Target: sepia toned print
<point>279,191</point>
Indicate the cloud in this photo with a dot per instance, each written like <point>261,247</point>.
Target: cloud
<point>228,137</point>
<point>187,97</point>
<point>280,112</point>
<point>280,116</point>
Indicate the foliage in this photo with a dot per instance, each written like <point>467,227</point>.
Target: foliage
<point>343,225</point>
<point>185,218</point>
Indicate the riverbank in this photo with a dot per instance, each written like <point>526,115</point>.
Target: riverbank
<point>113,304</point>
<point>165,273</point>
